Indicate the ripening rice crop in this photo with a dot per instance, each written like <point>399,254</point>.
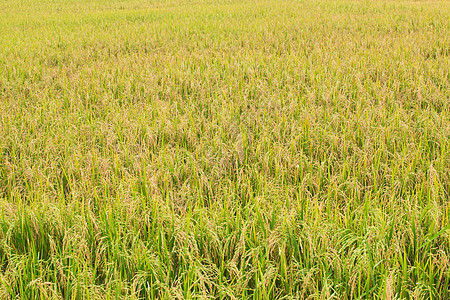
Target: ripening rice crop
<point>209,149</point>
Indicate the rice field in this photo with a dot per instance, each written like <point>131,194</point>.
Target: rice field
<point>223,149</point>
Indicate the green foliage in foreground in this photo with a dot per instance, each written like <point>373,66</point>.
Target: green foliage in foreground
<point>224,149</point>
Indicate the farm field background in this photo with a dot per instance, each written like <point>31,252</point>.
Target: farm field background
<point>224,149</point>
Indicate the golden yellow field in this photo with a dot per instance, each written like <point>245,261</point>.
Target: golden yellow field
<point>224,149</point>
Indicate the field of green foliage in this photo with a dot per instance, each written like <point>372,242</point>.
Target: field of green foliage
<point>223,149</point>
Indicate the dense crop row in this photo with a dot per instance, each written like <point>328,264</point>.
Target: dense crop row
<point>224,149</point>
